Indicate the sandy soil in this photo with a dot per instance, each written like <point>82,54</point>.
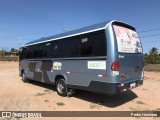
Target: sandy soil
<point>33,96</point>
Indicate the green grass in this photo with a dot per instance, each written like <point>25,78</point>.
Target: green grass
<point>60,103</point>
<point>145,89</point>
<point>46,100</point>
<point>140,102</point>
<point>46,90</point>
<point>133,109</point>
<point>94,105</point>
<point>152,67</point>
<point>40,94</point>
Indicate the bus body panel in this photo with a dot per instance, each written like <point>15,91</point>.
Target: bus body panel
<point>130,67</point>
<point>111,54</point>
<point>76,71</point>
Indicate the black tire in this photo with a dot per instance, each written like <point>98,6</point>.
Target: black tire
<point>61,87</point>
<point>24,79</point>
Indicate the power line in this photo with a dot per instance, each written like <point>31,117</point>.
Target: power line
<point>153,41</point>
<point>149,30</point>
<point>8,38</point>
<point>149,35</point>
<point>22,39</point>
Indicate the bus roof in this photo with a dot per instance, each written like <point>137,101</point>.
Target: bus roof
<point>91,28</point>
<point>95,27</point>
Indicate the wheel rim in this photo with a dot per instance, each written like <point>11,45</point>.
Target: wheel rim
<point>60,87</point>
<point>23,76</point>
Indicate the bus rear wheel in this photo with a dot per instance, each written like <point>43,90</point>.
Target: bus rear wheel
<point>24,79</point>
<point>61,87</point>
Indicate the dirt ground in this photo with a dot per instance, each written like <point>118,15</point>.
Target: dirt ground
<point>33,96</point>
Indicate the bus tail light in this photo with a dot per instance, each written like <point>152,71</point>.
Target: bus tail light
<point>115,66</point>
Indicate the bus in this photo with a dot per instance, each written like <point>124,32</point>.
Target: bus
<point>104,58</point>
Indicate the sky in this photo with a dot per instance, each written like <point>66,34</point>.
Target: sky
<point>26,20</point>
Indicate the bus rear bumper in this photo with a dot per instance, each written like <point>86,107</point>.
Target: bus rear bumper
<point>107,88</point>
<point>130,85</point>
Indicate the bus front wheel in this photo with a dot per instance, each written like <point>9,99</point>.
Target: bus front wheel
<point>61,87</point>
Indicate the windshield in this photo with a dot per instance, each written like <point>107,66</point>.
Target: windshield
<point>127,40</point>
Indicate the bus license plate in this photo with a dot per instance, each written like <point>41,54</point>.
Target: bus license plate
<point>132,85</point>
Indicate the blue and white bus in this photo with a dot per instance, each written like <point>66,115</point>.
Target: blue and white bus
<point>104,58</point>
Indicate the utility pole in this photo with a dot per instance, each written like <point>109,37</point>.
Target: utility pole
<point>19,44</point>
<point>3,52</point>
<point>0,52</point>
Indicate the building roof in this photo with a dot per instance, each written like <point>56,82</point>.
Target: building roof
<point>91,28</point>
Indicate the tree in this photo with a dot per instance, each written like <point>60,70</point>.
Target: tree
<point>153,54</point>
<point>146,58</point>
<point>13,50</point>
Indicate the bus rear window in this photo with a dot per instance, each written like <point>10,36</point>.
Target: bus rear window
<point>127,40</point>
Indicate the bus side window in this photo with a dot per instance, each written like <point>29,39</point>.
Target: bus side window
<point>48,49</point>
<point>60,48</point>
<point>99,44</point>
<point>74,45</point>
<point>22,53</point>
<point>40,51</point>
<point>55,48</point>
<point>35,51</point>
<point>63,48</point>
<point>86,45</point>
<point>29,52</point>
